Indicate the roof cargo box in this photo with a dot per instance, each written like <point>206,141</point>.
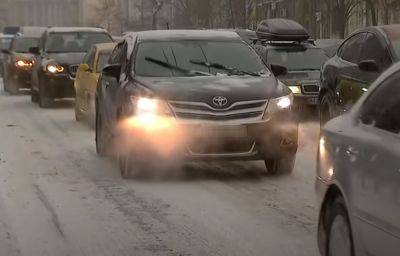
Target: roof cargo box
<point>281,30</point>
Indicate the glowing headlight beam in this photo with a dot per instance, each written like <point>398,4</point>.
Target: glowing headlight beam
<point>54,68</point>
<point>295,89</point>
<point>284,102</point>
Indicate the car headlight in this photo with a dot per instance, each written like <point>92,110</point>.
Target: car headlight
<point>24,64</point>
<point>279,104</point>
<point>295,89</point>
<point>54,68</point>
<point>144,106</point>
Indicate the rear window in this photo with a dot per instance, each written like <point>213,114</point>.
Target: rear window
<point>102,60</point>
<point>23,44</point>
<point>297,59</point>
<point>5,43</point>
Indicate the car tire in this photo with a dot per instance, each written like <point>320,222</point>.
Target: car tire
<point>44,101</point>
<point>339,236</point>
<point>283,165</point>
<point>34,96</point>
<point>327,108</point>
<point>102,142</point>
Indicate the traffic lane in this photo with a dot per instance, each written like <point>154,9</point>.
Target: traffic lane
<point>63,198</point>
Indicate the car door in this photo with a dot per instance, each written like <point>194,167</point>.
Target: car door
<point>372,157</point>
<point>82,79</point>
<point>376,50</point>
<point>110,86</point>
<point>348,73</point>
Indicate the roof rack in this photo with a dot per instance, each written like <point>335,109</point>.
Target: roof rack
<point>281,30</point>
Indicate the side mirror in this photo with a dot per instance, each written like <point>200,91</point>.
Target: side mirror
<point>34,50</point>
<point>279,70</point>
<point>85,67</point>
<point>5,51</point>
<point>113,70</point>
<point>369,65</point>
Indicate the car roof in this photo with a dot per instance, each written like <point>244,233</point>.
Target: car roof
<point>168,35</point>
<point>105,47</point>
<point>75,29</point>
<point>283,44</point>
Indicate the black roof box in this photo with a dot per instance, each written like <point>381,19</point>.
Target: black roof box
<point>281,30</point>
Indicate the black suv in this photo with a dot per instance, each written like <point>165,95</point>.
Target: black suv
<point>202,95</point>
<point>18,63</point>
<point>58,56</point>
<point>286,43</point>
<point>362,57</point>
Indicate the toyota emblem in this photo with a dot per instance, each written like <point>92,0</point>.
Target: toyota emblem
<point>220,101</point>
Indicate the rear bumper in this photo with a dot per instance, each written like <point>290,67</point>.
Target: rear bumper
<point>59,86</point>
<point>267,139</point>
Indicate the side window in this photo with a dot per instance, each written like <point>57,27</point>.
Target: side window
<point>87,56</point>
<point>382,107</point>
<point>91,57</point>
<point>374,50</point>
<point>351,49</point>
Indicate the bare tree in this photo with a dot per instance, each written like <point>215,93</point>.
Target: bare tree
<point>107,15</point>
<point>157,5</point>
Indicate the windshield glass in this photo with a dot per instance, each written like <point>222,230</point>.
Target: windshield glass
<point>198,56</point>
<point>103,60</point>
<point>23,44</point>
<point>298,58</point>
<point>394,36</point>
<point>5,43</point>
<point>74,41</point>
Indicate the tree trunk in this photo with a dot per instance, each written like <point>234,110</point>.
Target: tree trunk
<point>232,14</point>
<point>371,7</point>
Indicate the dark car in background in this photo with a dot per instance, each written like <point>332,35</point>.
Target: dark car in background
<point>60,51</point>
<point>5,42</point>
<point>358,175</point>
<point>192,94</point>
<point>362,57</point>
<point>18,62</point>
<point>286,43</point>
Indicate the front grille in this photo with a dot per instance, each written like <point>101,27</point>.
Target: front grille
<point>311,88</point>
<point>226,146</point>
<point>72,69</point>
<point>203,111</point>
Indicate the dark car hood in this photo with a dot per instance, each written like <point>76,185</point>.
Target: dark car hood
<point>66,58</point>
<point>204,89</point>
<point>294,77</point>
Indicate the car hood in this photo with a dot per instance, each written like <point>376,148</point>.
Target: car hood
<point>296,77</point>
<point>66,58</point>
<point>204,89</point>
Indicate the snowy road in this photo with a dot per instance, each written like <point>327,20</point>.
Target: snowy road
<point>57,197</point>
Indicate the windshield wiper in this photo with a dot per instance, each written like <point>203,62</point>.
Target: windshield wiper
<point>234,71</point>
<point>174,67</point>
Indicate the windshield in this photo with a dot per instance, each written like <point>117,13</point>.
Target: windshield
<point>23,44</point>
<point>198,57</point>
<point>103,60</point>
<point>5,43</point>
<point>297,59</point>
<point>74,41</point>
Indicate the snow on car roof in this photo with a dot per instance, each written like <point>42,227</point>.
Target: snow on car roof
<point>165,35</point>
<point>75,29</point>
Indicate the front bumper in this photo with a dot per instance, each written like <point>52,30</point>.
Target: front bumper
<point>21,78</point>
<point>59,86</point>
<point>267,139</point>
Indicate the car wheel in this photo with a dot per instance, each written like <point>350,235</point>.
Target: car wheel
<point>44,101</point>
<point>102,144</point>
<point>34,96</point>
<point>340,242</point>
<point>327,108</point>
<point>284,165</point>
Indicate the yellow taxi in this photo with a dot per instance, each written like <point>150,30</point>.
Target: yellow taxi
<point>86,80</point>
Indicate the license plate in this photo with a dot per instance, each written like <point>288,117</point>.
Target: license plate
<point>223,131</point>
